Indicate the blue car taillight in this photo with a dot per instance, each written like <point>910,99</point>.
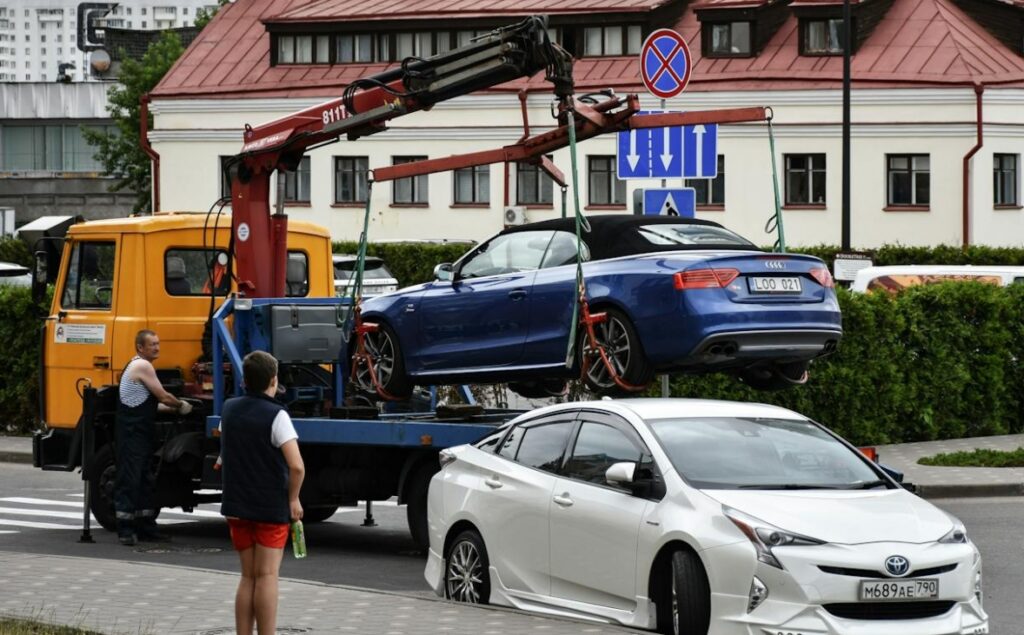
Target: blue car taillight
<point>823,276</point>
<point>704,278</point>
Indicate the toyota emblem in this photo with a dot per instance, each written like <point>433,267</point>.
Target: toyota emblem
<point>897,566</point>
<point>775,264</point>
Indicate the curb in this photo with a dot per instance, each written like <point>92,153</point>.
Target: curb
<point>981,490</point>
<point>15,457</point>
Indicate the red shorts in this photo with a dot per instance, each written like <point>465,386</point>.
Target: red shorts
<point>246,533</point>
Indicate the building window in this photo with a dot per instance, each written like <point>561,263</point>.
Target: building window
<point>823,37</point>
<point>805,179</point>
<point>710,192</point>
<point>225,178</point>
<point>533,185</point>
<point>410,190</point>
<point>350,174</point>
<point>355,48</point>
<point>603,187</point>
<point>1004,168</point>
<point>50,147</point>
<point>296,184</point>
<point>727,39</point>
<point>303,49</point>
<point>908,179</point>
<point>472,185</point>
<point>611,40</point>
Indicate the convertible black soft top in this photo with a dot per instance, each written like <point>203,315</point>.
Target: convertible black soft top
<point>615,235</point>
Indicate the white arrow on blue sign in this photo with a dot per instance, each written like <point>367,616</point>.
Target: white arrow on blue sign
<point>700,151</point>
<point>670,202</point>
<point>634,154</point>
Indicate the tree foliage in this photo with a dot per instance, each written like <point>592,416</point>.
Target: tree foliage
<point>120,151</point>
<point>204,15</point>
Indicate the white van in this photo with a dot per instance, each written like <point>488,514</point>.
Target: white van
<point>897,277</point>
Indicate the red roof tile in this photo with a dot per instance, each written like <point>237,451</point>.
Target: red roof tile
<point>917,42</point>
<point>336,10</point>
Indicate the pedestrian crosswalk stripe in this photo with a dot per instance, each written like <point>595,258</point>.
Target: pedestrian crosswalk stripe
<point>201,513</point>
<point>35,525</point>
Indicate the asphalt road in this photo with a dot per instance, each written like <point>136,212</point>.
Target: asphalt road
<point>40,512</point>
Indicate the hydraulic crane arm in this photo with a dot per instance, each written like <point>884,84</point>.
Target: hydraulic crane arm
<point>521,50</point>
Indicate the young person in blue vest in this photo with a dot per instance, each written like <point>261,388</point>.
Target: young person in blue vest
<point>262,474</point>
<point>140,395</point>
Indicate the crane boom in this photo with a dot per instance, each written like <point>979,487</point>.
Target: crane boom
<point>514,52</point>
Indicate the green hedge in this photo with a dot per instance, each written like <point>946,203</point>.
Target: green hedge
<point>933,362</point>
<point>941,255</point>
<point>16,251</point>
<point>19,374</point>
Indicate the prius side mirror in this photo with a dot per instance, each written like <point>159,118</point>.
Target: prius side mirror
<point>620,474</point>
<point>443,272</point>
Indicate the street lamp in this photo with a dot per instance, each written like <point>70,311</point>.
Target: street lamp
<point>847,46</point>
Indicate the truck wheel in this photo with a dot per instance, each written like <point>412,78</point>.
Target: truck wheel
<point>416,503</point>
<point>102,476</point>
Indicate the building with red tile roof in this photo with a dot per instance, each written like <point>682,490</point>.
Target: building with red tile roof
<point>924,74</point>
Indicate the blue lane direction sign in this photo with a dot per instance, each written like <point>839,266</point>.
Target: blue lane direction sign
<point>634,154</point>
<point>665,63</point>
<point>670,202</point>
<point>700,151</point>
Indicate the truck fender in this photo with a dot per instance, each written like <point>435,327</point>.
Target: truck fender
<point>184,450</point>
<point>412,464</point>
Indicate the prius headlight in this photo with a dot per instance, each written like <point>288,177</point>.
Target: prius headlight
<point>765,536</point>
<point>957,535</point>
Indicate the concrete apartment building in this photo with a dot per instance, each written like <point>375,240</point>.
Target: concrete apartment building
<point>38,36</point>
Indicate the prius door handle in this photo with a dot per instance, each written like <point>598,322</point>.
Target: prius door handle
<point>517,294</point>
<point>564,500</point>
<point>492,483</point>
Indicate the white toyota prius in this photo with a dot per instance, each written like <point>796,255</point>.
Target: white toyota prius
<point>696,517</point>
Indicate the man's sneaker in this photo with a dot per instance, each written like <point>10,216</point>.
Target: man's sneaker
<point>127,541</point>
<point>153,536</point>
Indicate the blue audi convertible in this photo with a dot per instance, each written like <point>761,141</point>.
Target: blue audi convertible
<point>678,295</point>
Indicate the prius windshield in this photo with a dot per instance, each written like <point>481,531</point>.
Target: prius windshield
<point>759,453</point>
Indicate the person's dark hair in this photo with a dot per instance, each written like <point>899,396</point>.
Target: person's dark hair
<point>258,369</point>
<point>140,337</point>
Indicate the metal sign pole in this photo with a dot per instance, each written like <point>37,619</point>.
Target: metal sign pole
<point>88,413</point>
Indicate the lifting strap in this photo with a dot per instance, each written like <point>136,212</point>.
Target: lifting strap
<point>581,308</point>
<point>361,356</point>
<point>775,221</point>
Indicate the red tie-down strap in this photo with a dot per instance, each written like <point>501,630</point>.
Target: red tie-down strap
<point>593,349</point>
<point>363,357</point>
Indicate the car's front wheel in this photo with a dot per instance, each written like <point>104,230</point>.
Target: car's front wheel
<point>466,576</point>
<point>684,607</point>
<point>385,354</point>
<point>618,339</point>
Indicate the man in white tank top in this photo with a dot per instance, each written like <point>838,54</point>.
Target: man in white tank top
<point>139,396</point>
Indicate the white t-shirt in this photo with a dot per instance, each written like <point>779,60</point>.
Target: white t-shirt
<point>281,431</point>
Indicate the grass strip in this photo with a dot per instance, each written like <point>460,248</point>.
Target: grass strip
<point>16,626</point>
<point>977,458</point>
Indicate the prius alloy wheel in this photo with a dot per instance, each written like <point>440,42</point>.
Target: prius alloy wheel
<point>466,570</point>
<point>621,345</point>
<point>388,365</point>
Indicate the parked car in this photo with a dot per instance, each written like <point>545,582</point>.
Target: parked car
<point>15,275</point>
<point>376,277</point>
<point>677,514</point>
<point>895,278</point>
<point>679,295</point>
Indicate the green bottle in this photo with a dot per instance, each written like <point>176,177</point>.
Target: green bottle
<point>298,540</point>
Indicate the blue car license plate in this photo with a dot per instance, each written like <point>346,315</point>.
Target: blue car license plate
<point>773,284</point>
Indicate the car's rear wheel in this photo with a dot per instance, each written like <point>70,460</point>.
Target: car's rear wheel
<point>685,606</point>
<point>777,376</point>
<point>466,570</point>
<point>620,342</point>
<point>388,365</point>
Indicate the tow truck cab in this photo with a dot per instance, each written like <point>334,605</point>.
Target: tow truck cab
<point>154,272</point>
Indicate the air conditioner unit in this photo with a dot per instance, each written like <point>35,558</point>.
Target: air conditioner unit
<point>515,215</point>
